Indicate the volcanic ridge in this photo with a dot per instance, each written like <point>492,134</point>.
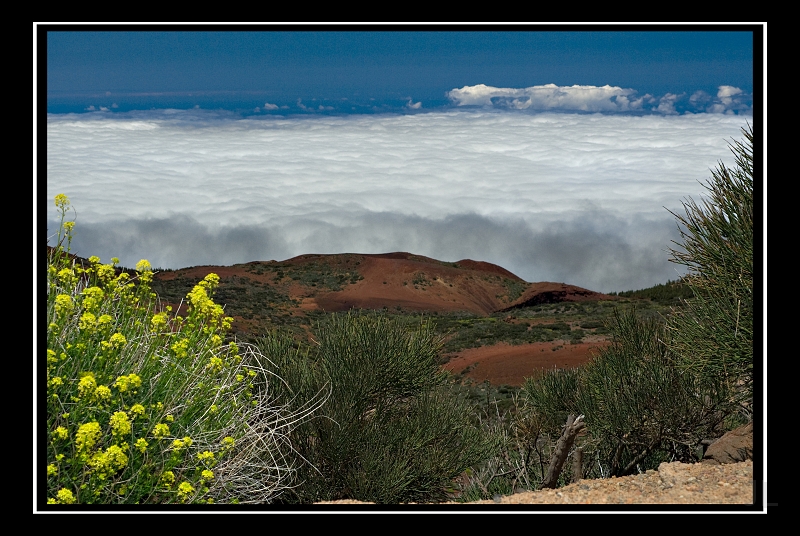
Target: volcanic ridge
<point>397,281</point>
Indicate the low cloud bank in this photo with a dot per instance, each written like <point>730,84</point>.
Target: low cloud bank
<point>574,198</point>
<point>600,99</point>
<point>598,251</point>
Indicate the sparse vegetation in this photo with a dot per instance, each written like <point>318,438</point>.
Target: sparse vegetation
<point>144,406</point>
<point>669,293</point>
<point>320,275</point>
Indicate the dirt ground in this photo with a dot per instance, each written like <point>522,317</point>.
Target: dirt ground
<point>504,364</point>
<point>673,484</point>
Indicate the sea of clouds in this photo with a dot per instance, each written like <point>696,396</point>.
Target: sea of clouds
<point>580,198</point>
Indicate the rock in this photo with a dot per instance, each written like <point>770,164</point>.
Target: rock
<point>733,447</point>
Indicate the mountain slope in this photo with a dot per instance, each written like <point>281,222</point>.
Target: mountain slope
<point>260,295</point>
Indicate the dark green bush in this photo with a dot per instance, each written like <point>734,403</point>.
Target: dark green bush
<point>391,431</point>
<point>638,404</point>
<point>640,408</point>
<point>713,332</point>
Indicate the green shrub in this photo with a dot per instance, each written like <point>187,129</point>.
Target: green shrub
<point>639,407</point>
<point>144,406</point>
<point>552,397</point>
<point>391,431</point>
<point>713,332</point>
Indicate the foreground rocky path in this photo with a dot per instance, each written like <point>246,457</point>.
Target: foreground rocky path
<point>673,483</point>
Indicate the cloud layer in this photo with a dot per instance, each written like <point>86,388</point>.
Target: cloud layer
<point>606,99</point>
<point>575,198</point>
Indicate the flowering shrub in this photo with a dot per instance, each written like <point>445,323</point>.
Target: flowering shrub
<point>144,406</point>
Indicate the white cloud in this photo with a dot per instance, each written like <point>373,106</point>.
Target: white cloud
<point>413,105</point>
<point>563,197</point>
<point>666,104</point>
<point>726,92</point>
<point>270,106</point>
<point>699,97</point>
<point>729,100</point>
<point>549,97</point>
<point>599,99</point>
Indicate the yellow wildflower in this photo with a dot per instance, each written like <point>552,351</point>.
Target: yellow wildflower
<point>215,364</point>
<point>65,496</point>
<point>92,297</point>
<point>102,393</point>
<point>109,462</point>
<point>181,348</point>
<point>67,276</point>
<point>184,490</point>
<point>117,340</point>
<point>180,444</point>
<point>206,456</point>
<point>104,320</point>
<point>131,382</point>
<point>87,436</point>
<point>62,201</point>
<point>158,321</point>
<point>120,425</point>
<point>160,430</point>
<point>87,322</point>
<point>105,272</point>
<point>63,303</point>
<point>87,385</point>
<point>168,478</point>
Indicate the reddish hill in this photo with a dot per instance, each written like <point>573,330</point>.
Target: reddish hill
<point>399,280</point>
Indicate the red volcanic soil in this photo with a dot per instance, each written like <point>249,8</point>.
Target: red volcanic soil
<point>410,282</point>
<point>414,283</point>
<point>389,281</point>
<point>503,364</point>
<point>418,283</point>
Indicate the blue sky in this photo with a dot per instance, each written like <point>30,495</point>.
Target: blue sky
<point>283,66</point>
<point>553,153</point>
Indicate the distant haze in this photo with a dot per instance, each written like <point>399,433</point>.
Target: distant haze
<point>553,195</point>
